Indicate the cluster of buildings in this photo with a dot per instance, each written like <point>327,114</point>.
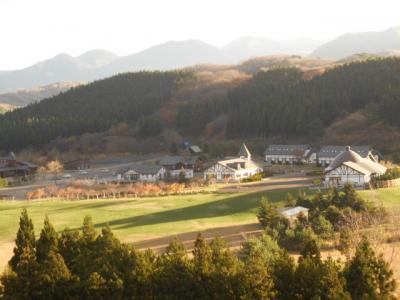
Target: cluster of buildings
<point>13,169</point>
<point>342,164</point>
<point>305,154</point>
<point>234,168</point>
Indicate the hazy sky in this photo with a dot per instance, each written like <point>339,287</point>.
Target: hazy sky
<point>33,30</point>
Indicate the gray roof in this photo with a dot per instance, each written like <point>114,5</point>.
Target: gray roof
<point>333,151</point>
<point>171,160</point>
<point>244,151</point>
<point>353,160</point>
<point>140,168</point>
<point>293,211</point>
<point>195,149</point>
<point>18,166</point>
<point>285,149</point>
<point>174,160</point>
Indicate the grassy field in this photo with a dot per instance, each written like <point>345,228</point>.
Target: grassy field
<point>141,218</point>
<point>389,197</point>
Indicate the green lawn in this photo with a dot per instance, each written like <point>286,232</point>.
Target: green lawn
<point>135,219</point>
<point>389,197</point>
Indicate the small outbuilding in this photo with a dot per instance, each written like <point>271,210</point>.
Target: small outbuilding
<point>291,213</point>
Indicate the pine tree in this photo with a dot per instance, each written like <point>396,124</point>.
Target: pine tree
<point>88,230</point>
<point>255,280</point>
<point>311,250</point>
<point>270,219</point>
<point>48,241</point>
<point>315,279</point>
<point>69,247</point>
<point>202,266</point>
<point>25,242</point>
<point>174,279</point>
<point>225,269</point>
<point>369,276</point>
<point>54,278</point>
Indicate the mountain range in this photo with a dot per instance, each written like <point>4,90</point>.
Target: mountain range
<point>97,64</point>
<point>383,42</point>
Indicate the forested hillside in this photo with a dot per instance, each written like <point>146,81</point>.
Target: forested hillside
<point>96,107</point>
<point>224,102</point>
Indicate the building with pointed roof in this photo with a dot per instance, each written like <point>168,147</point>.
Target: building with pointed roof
<point>141,173</point>
<point>233,168</point>
<point>244,152</point>
<point>350,167</point>
<point>13,169</point>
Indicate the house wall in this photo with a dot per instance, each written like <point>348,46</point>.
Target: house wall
<point>176,173</point>
<point>283,159</point>
<point>134,177</point>
<point>343,175</point>
<point>222,173</point>
<point>219,173</point>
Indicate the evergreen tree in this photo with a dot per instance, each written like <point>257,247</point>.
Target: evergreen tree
<point>48,241</point>
<point>225,269</point>
<point>315,279</point>
<point>270,219</point>
<point>174,279</point>
<point>54,278</point>
<point>69,247</point>
<point>311,250</point>
<point>25,242</point>
<point>202,266</point>
<point>255,280</point>
<point>368,276</point>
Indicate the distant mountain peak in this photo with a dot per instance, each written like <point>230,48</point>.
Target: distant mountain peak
<point>362,42</point>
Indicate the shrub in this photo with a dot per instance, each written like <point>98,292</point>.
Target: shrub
<point>255,177</point>
<point>3,182</point>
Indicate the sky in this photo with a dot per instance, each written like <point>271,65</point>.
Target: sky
<point>34,30</point>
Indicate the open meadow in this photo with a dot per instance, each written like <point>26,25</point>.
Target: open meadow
<point>151,222</point>
<point>139,219</point>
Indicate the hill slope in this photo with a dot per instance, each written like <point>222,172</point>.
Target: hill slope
<point>353,43</point>
<point>60,68</point>
<point>249,47</point>
<point>284,104</point>
<point>24,97</point>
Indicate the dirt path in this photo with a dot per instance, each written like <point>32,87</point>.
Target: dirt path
<point>234,235</point>
<point>6,252</point>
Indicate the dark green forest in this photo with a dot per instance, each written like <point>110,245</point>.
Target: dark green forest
<point>275,103</point>
<point>131,97</point>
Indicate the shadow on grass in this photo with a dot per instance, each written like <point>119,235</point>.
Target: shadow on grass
<point>243,203</point>
<point>96,204</point>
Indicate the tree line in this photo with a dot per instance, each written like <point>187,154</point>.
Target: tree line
<point>281,102</point>
<point>132,98</point>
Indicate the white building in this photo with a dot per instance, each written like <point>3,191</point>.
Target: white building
<point>289,154</point>
<point>350,167</point>
<point>235,168</point>
<point>176,165</point>
<point>141,173</point>
<point>291,213</point>
<point>328,153</point>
